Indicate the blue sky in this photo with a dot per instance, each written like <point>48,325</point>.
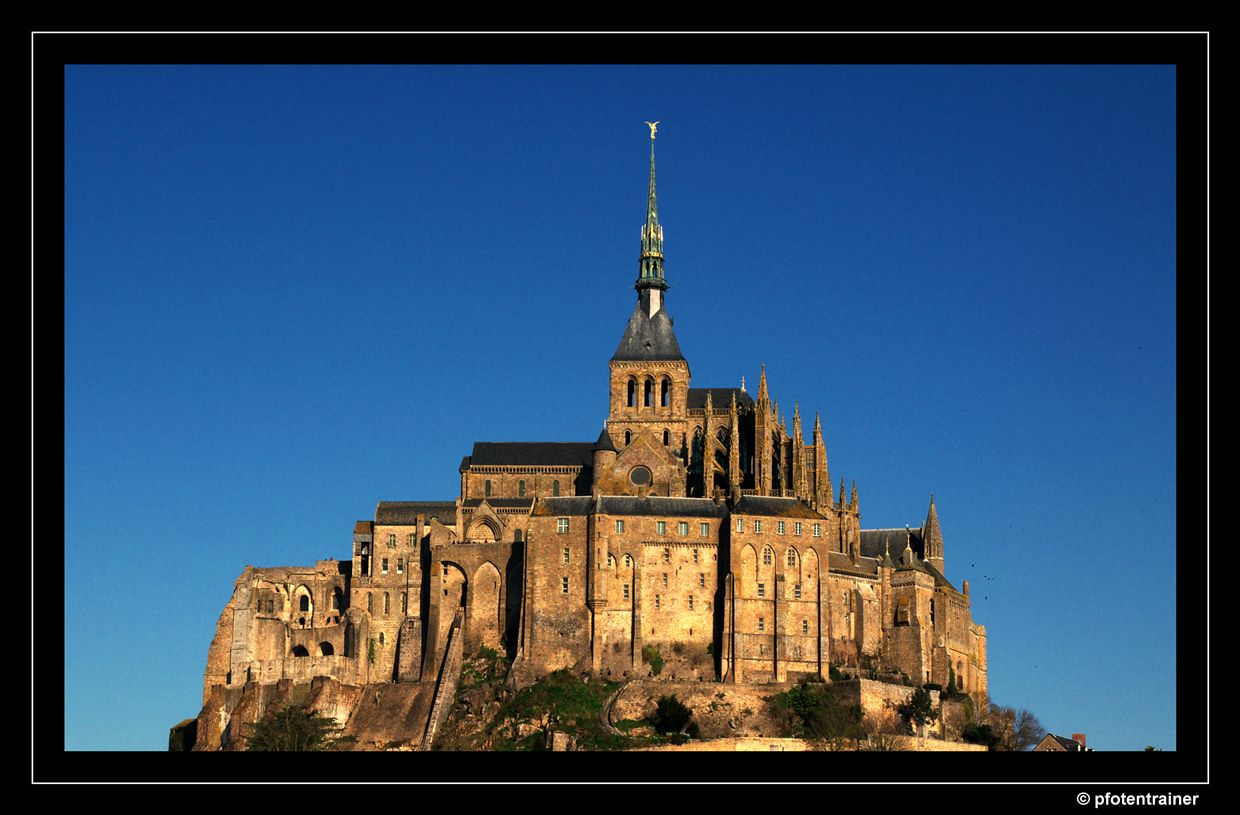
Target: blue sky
<point>291,292</point>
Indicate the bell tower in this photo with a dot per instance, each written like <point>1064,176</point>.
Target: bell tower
<point>649,376</point>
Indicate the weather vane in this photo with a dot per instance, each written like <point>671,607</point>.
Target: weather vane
<point>653,127</point>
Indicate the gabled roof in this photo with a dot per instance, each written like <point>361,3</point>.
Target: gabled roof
<point>404,513</point>
<point>530,454</point>
<point>840,562</point>
<point>876,541</point>
<point>719,397</point>
<point>648,338</point>
<point>768,505</point>
<point>657,505</point>
<point>564,505</point>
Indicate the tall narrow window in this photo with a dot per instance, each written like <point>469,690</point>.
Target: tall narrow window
<point>817,530</point>
<point>661,528</point>
<point>761,624</point>
<point>695,556</point>
<point>740,524</point>
<point>619,527</point>
<point>385,565</point>
<point>667,438</point>
<point>486,488</point>
<point>626,591</point>
<point>304,603</point>
<point>796,591</point>
<point>665,580</point>
<point>779,527</point>
<point>683,527</point>
<point>404,603</point>
<point>555,487</point>
<point>667,553</point>
<point>701,580</point>
<point>564,585</point>
<point>762,590</point>
<point>703,530</point>
<point>804,626</point>
<point>796,528</point>
<point>628,561</point>
<point>387,603</point>
<point>410,540</point>
<point>656,601</point>
<point>649,400</point>
<point>792,559</point>
<point>628,437</point>
<point>632,393</point>
<point>757,526</point>
<point>370,602</point>
<point>566,554</point>
<point>766,556</point>
<point>691,602</point>
<point>520,489</point>
<point>665,394</point>
<point>400,565</point>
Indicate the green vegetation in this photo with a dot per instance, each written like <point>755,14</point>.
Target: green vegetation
<point>486,668</point>
<point>559,701</point>
<point>653,658</point>
<point>292,729</point>
<point>978,733</point>
<point>672,716</point>
<point>816,712</point>
<point>837,675</point>
<point>370,651</point>
<point>919,710</point>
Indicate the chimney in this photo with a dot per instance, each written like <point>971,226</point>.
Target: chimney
<point>1079,738</point>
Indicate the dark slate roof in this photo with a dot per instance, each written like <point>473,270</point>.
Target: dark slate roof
<point>648,338</point>
<point>604,442</point>
<point>405,512</point>
<point>1071,745</point>
<point>719,397</point>
<point>874,542</point>
<point>565,505</point>
<point>655,505</point>
<point>531,454</point>
<point>939,579</point>
<point>499,502</point>
<point>768,505</point>
<point>840,562</point>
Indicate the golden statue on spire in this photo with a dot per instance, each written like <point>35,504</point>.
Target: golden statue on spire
<point>653,127</point>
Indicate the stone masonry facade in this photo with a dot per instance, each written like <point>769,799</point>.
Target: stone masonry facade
<point>700,526</point>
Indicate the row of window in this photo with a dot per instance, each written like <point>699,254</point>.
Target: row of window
<point>762,625</point>
<point>658,600</point>
<point>392,540</point>
<point>796,591</point>
<point>648,394</point>
<point>780,527</point>
<point>400,566</point>
<point>387,603</point>
<point>682,528</point>
<point>555,488</point>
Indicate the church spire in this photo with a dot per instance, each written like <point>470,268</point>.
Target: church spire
<point>650,265</point>
<point>932,536</point>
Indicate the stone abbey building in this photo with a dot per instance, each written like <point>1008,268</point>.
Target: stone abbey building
<point>700,523</point>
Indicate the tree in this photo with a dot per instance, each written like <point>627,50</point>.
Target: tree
<point>671,715</point>
<point>292,729</point>
<point>919,710</point>
<point>1027,731</point>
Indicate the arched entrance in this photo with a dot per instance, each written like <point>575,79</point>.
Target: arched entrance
<point>484,609</point>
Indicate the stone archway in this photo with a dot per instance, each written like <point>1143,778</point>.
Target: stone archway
<point>454,587</point>
<point>484,609</point>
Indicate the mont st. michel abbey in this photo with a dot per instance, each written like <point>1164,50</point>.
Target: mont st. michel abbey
<point>699,524</point>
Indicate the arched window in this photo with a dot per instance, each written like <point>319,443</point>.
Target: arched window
<point>300,651</point>
<point>555,487</point>
<point>628,562</point>
<point>487,488</point>
<point>649,401</point>
<point>326,649</point>
<point>520,489</point>
<point>632,393</point>
<point>792,559</point>
<point>665,393</point>
<point>380,637</point>
<point>337,600</point>
<point>627,438</point>
<point>387,603</point>
<point>667,438</point>
<point>766,556</point>
<point>304,603</point>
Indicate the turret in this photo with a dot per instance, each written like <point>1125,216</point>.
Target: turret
<point>822,477</point>
<point>933,537</point>
<point>734,453</point>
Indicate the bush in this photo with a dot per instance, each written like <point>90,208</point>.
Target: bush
<point>919,709</point>
<point>978,733</point>
<point>292,729</point>
<point>654,659</point>
<point>671,715</point>
<point>836,674</point>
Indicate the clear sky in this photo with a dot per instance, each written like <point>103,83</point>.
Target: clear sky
<point>291,292</point>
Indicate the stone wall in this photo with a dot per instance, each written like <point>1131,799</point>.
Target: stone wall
<point>720,709</point>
